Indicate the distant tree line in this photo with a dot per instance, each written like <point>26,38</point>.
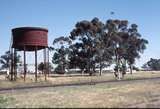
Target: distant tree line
<point>152,64</point>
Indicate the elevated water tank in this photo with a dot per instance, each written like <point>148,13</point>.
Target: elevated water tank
<point>30,38</point>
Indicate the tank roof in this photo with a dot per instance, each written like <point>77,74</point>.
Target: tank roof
<point>29,28</point>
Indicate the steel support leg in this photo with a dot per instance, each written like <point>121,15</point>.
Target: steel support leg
<point>24,57</point>
<point>36,64</point>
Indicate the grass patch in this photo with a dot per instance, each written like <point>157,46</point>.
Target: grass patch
<point>99,96</point>
<point>69,79</point>
<point>4,101</point>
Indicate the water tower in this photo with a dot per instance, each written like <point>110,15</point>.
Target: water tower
<point>29,39</point>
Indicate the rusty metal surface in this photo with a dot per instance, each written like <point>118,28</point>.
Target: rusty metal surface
<point>30,37</point>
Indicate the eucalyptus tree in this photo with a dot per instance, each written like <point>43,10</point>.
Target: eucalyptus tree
<point>6,58</point>
<point>127,43</point>
<point>41,67</point>
<point>60,57</point>
<point>90,47</point>
<point>117,29</point>
<point>137,45</point>
<point>104,49</point>
<point>152,64</point>
<point>84,47</point>
<point>5,61</point>
<point>97,44</point>
<point>78,57</point>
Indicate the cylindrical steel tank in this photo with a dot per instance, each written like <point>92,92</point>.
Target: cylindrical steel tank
<point>30,38</point>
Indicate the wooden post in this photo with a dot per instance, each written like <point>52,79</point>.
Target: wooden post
<point>36,63</point>
<point>24,57</point>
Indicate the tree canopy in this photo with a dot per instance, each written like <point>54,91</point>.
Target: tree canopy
<point>94,44</point>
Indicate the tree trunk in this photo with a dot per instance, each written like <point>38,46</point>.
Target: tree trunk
<point>82,72</point>
<point>94,68</point>
<point>100,68</point>
<point>130,66</point>
<point>119,72</point>
<point>117,62</point>
<point>123,68</point>
<point>100,71</point>
<point>88,68</point>
<point>63,68</point>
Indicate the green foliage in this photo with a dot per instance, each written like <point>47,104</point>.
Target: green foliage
<point>41,67</point>
<point>59,69</point>
<point>152,64</point>
<point>60,57</point>
<point>127,42</point>
<point>93,44</point>
<point>6,58</point>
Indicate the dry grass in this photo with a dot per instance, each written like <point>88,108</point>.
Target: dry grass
<point>143,74</point>
<point>100,95</point>
<point>71,79</point>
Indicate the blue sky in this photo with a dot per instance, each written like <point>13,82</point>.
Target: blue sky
<point>60,16</point>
